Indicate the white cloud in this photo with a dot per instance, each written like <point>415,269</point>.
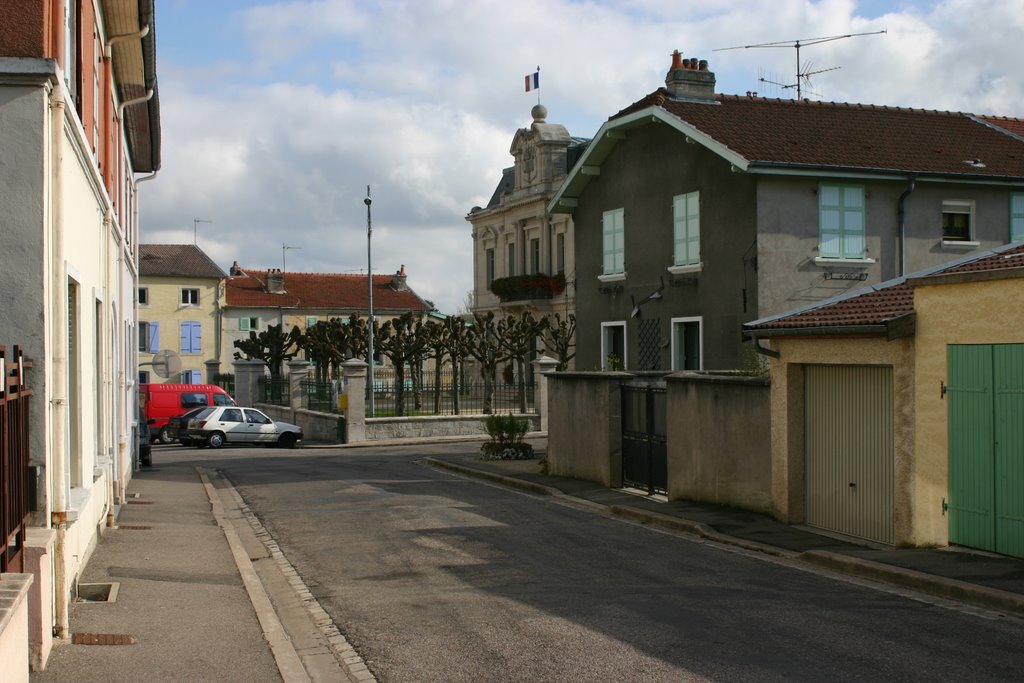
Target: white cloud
<point>274,131</point>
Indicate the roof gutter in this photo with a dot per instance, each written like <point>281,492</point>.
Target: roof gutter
<point>893,328</point>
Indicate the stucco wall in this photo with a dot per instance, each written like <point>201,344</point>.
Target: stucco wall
<point>719,440</point>
<point>585,426</point>
<point>967,313</point>
<point>724,292</point>
<point>911,525</point>
<point>788,236</point>
<point>166,309</point>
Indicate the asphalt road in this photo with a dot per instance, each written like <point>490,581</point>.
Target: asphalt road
<point>436,577</point>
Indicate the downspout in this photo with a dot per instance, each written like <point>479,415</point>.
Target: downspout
<point>134,230</point>
<point>138,100</point>
<point>59,363</point>
<point>902,217</point>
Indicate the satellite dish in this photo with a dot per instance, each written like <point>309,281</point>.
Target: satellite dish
<point>165,363</point>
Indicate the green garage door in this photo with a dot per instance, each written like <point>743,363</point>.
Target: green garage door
<point>849,442</point>
<point>986,446</point>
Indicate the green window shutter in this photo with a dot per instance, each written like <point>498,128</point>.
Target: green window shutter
<point>686,226</point>
<point>614,242</point>
<point>841,221</point>
<point>1017,217</point>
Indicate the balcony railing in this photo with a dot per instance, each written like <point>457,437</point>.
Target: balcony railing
<point>523,287</point>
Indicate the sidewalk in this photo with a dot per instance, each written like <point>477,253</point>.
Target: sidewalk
<point>200,595</point>
<point>983,579</point>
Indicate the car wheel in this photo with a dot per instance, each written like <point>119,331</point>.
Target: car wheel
<point>215,440</point>
<point>286,440</point>
<point>165,435</point>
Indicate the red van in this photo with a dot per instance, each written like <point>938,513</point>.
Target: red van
<point>164,401</point>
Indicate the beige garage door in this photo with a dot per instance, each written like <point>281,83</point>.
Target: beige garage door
<point>849,450</point>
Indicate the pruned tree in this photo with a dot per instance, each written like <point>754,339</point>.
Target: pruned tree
<point>401,341</point>
<point>274,347</point>
<point>517,336</point>
<point>560,339</point>
<point>456,342</point>
<point>484,344</point>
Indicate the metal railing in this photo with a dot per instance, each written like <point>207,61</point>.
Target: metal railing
<point>319,396</point>
<point>274,391</point>
<point>226,381</point>
<point>14,451</point>
<point>429,397</point>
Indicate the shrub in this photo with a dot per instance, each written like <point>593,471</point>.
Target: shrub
<point>506,432</point>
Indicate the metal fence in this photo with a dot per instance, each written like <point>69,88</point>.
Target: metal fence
<point>14,450</point>
<point>319,396</point>
<point>226,381</point>
<point>274,391</point>
<point>448,397</point>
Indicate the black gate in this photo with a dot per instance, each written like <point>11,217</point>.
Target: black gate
<point>644,453</point>
<point>14,450</point>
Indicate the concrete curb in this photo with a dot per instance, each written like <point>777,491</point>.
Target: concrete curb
<point>288,662</point>
<point>938,586</point>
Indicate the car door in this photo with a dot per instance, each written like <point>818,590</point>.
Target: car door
<point>232,423</point>
<point>260,427</point>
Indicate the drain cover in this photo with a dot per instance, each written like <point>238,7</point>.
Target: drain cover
<point>134,527</point>
<point>102,639</point>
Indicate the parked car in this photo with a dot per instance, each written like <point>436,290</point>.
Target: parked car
<point>177,427</point>
<point>216,426</point>
<point>164,401</point>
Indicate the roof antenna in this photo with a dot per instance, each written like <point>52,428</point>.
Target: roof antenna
<point>803,71</point>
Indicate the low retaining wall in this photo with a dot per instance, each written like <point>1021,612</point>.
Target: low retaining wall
<point>14,589</point>
<point>380,428</point>
<point>323,427</point>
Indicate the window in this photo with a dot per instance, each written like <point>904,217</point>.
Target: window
<point>231,415</point>
<point>560,252</point>
<point>686,229</point>
<point>956,220</point>
<point>535,255</point>
<point>191,377</point>
<point>149,337</point>
<point>190,297</point>
<point>190,400</point>
<point>841,221</point>
<point>613,225</point>
<point>143,376</point>
<point>511,260</point>
<point>489,258</point>
<point>1017,217</point>
<point>191,337</point>
<point>246,324</point>
<point>143,296</point>
<point>613,346</point>
<point>310,321</point>
<point>687,349</point>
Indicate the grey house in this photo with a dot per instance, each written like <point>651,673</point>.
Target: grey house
<point>695,212</point>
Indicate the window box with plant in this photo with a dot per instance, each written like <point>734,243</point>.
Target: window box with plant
<point>536,286</point>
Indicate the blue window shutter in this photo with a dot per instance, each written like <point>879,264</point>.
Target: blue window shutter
<point>190,341</point>
<point>154,337</point>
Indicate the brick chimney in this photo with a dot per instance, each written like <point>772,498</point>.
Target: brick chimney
<point>398,280</point>
<point>275,281</point>
<point>690,80</point>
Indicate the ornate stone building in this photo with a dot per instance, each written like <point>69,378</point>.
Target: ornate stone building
<point>522,255</point>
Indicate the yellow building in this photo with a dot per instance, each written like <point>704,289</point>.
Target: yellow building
<point>180,297</point>
<point>897,410</point>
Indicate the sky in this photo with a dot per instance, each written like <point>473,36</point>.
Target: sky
<point>276,116</point>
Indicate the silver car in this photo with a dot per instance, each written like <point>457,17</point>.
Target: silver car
<point>218,425</point>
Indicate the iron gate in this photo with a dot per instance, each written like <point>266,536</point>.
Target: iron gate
<point>644,451</point>
<point>14,447</point>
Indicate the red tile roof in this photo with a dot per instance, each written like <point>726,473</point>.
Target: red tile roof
<point>886,301</point>
<point>321,290</point>
<point>849,136</point>
<point>1015,126</point>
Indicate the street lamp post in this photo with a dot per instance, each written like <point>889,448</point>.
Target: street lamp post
<point>369,323</point>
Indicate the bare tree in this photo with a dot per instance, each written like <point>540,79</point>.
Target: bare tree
<point>560,339</point>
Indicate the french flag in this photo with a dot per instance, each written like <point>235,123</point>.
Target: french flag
<point>533,81</point>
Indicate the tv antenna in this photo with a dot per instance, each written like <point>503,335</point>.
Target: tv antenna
<point>803,72</point>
